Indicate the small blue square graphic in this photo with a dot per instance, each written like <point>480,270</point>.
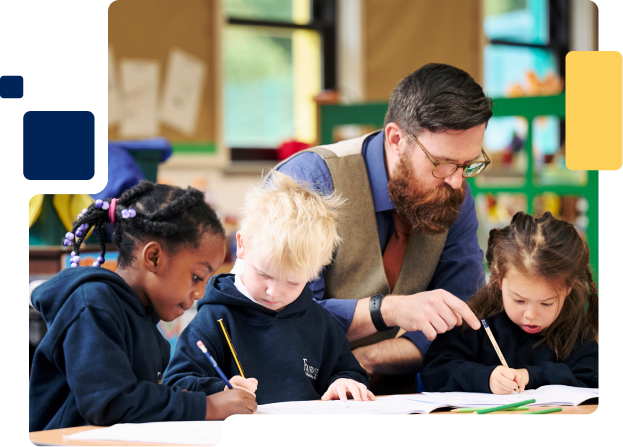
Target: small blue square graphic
<point>11,86</point>
<point>59,145</point>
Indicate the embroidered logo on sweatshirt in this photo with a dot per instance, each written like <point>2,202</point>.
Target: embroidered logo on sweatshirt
<point>310,371</point>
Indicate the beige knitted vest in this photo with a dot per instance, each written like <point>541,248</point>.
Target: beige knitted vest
<point>357,268</point>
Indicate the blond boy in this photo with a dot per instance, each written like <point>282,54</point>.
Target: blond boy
<point>288,346</point>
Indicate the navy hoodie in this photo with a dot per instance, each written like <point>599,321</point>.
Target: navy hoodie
<point>463,360</point>
<point>100,361</point>
<point>295,354</point>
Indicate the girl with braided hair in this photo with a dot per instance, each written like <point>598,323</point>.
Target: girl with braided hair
<point>541,305</point>
<point>102,359</point>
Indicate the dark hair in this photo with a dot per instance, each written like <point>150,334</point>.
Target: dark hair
<point>173,215</point>
<point>552,250</point>
<point>438,97</point>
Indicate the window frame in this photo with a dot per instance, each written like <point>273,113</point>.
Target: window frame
<point>558,43</point>
<point>323,20</point>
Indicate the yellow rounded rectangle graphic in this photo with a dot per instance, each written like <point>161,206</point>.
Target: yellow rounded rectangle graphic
<point>594,110</point>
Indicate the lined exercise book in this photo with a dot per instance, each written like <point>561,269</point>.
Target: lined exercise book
<point>545,395</point>
<point>427,402</point>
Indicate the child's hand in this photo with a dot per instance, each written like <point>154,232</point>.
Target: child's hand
<point>504,380</point>
<point>224,404</point>
<point>249,384</point>
<point>342,388</point>
<point>525,376</point>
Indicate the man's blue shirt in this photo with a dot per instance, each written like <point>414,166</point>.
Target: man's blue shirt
<point>460,269</point>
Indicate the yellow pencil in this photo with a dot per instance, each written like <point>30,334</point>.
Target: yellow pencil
<point>231,347</point>
<point>495,345</point>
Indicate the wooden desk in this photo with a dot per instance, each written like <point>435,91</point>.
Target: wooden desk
<point>55,437</point>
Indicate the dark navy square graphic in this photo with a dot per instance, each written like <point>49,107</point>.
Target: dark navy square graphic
<point>59,145</point>
<point>11,86</point>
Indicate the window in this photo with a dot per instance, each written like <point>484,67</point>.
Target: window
<point>523,36</point>
<point>278,54</point>
<point>527,42</point>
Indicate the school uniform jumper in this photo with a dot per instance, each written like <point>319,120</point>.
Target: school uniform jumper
<point>295,354</point>
<point>101,360</point>
<point>463,360</point>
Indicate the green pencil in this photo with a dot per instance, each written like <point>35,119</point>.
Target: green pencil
<point>549,410</point>
<point>504,407</point>
<point>471,410</point>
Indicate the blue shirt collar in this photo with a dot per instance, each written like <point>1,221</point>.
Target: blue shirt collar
<point>374,156</point>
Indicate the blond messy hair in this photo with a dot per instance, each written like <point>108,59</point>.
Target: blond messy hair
<point>292,226</point>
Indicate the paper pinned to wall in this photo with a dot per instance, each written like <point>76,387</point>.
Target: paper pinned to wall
<point>114,111</point>
<point>139,93</point>
<point>193,432</point>
<point>183,87</point>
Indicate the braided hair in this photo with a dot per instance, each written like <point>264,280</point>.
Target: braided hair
<point>174,216</point>
<point>553,250</point>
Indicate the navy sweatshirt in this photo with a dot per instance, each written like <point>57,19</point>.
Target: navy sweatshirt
<point>295,354</point>
<point>461,360</point>
<point>99,362</point>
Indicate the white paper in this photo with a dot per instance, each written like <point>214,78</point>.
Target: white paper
<point>182,91</point>
<point>196,432</point>
<point>113,95</point>
<point>139,94</point>
<point>398,404</point>
<point>427,402</point>
<point>545,395</point>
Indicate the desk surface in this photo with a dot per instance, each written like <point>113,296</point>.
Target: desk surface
<point>55,437</point>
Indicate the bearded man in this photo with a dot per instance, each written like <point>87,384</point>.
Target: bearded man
<point>410,255</point>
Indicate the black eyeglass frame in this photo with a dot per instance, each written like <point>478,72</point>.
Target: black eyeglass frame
<point>436,163</point>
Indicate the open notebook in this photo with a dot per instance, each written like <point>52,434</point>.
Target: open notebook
<point>398,404</point>
<point>545,395</point>
<point>427,402</point>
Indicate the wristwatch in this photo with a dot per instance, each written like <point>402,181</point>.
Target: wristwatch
<point>375,313</point>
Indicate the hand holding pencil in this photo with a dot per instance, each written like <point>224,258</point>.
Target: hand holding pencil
<point>504,380</point>
<point>249,384</point>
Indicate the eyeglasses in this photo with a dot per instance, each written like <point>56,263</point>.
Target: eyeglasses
<point>443,169</point>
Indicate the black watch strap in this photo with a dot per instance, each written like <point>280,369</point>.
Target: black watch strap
<point>375,313</point>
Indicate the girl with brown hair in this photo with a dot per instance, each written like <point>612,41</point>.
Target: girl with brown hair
<point>541,305</point>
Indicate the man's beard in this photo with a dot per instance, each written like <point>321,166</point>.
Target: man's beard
<point>428,212</point>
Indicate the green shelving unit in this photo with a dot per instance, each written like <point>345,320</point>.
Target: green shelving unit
<point>373,114</point>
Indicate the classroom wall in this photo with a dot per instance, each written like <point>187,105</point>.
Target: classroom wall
<point>399,36</point>
<point>149,30</point>
<point>379,42</point>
